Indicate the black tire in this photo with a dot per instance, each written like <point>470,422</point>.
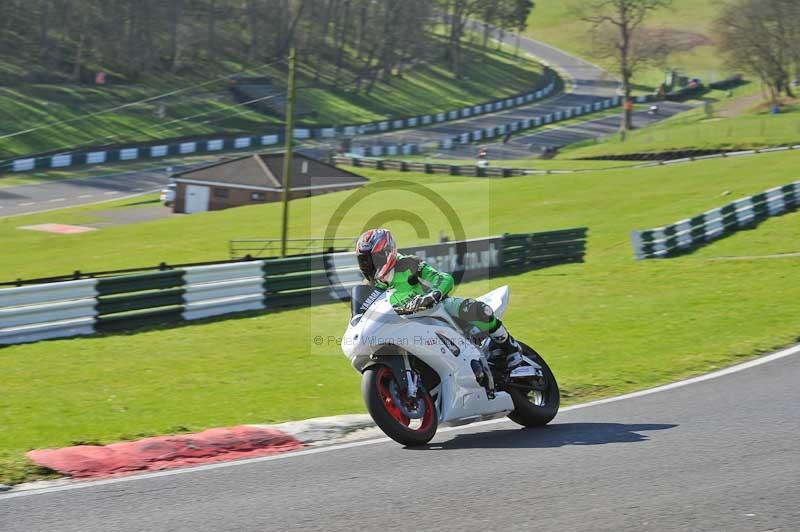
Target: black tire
<point>527,413</point>
<point>388,423</point>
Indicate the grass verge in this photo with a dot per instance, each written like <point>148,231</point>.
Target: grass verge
<point>695,129</point>
<point>686,21</point>
<point>609,326</point>
<point>425,88</point>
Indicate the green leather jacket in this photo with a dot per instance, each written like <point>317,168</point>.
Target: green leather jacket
<point>413,277</point>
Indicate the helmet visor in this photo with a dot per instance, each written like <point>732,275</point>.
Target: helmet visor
<point>372,264</point>
<point>367,266</point>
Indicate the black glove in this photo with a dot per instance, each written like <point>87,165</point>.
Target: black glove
<point>423,302</point>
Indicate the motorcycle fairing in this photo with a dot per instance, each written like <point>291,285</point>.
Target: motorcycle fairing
<point>497,299</point>
<point>459,397</point>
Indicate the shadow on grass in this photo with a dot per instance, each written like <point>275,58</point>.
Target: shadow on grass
<point>556,435</point>
<point>753,225</point>
<point>153,201</point>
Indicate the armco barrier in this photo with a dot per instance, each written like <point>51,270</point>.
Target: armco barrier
<point>126,302</point>
<point>691,233</point>
<point>528,123</point>
<point>37,312</point>
<point>133,301</point>
<point>227,142</point>
<point>223,289</point>
<point>430,168</point>
<point>541,250</point>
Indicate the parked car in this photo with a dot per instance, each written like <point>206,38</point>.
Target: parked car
<point>168,194</point>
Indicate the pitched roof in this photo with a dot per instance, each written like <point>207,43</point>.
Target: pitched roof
<point>266,171</point>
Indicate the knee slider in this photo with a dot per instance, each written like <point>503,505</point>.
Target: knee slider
<point>473,310</point>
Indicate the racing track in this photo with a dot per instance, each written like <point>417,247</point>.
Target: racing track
<point>720,454</point>
<point>591,84</point>
<point>59,194</point>
<point>530,144</point>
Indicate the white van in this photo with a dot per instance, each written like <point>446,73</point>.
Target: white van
<point>168,194</point>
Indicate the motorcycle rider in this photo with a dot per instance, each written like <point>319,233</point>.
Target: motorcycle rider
<point>416,286</point>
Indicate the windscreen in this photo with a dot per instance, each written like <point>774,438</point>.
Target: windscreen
<point>362,297</point>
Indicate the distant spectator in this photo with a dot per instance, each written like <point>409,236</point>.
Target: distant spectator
<point>628,105</point>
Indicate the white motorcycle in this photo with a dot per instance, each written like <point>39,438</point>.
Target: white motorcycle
<point>423,370</point>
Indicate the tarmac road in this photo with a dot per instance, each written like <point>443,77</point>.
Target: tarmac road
<point>532,144</point>
<point>716,455</point>
<point>590,84</point>
<point>61,193</point>
<point>58,194</point>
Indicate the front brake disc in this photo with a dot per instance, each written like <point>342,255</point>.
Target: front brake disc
<point>412,409</point>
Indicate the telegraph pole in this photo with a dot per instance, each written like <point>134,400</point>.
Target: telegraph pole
<point>287,156</point>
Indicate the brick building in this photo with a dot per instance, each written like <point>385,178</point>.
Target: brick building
<point>256,179</point>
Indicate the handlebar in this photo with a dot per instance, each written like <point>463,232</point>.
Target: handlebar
<point>406,310</point>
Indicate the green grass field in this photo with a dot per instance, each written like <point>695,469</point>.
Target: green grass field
<point>186,239</point>
<point>695,130</point>
<point>607,326</point>
<point>687,20</point>
<point>534,163</point>
<point>40,177</point>
<point>425,88</point>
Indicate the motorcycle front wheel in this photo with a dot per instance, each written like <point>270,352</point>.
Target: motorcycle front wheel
<point>388,405</point>
<point>534,408</point>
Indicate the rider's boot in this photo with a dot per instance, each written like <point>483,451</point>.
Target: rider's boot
<point>504,349</point>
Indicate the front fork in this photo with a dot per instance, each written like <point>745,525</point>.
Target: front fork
<point>412,378</point>
<point>407,378</point>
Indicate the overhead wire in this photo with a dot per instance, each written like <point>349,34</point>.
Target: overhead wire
<point>132,104</point>
<point>184,121</point>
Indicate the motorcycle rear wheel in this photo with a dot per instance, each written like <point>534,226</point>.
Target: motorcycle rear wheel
<point>376,385</point>
<point>533,409</point>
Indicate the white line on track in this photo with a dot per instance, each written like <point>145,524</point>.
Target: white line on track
<point>27,203</point>
<point>57,199</point>
<point>82,196</point>
<point>573,126</point>
<point>337,447</point>
<point>80,204</point>
<point>110,193</point>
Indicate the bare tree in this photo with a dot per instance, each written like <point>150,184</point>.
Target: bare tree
<point>762,37</point>
<point>175,15</point>
<point>458,13</point>
<point>81,36</point>
<point>617,34</point>
<point>44,28</point>
<point>489,15</point>
<point>341,43</point>
<point>515,17</point>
